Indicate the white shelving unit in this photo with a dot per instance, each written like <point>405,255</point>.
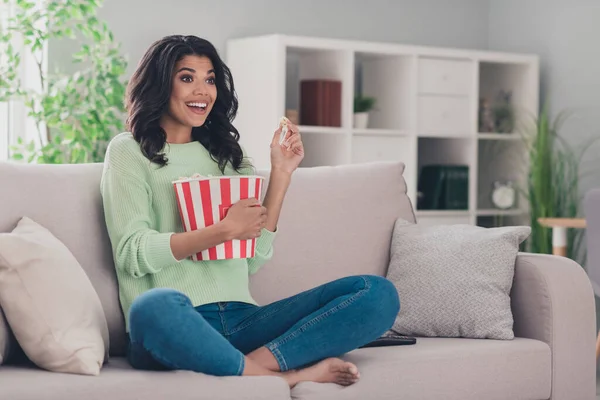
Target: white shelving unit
<point>426,110</point>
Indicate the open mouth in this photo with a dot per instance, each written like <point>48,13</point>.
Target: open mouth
<point>198,108</point>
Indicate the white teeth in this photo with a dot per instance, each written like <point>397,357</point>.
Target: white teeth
<point>202,105</point>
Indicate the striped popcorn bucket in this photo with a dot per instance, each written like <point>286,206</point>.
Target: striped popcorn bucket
<point>204,201</point>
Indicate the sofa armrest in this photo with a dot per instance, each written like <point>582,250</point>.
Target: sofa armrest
<point>552,301</point>
<point>6,339</point>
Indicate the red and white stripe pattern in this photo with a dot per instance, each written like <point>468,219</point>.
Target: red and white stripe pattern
<point>204,201</point>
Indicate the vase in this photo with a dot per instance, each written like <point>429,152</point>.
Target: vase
<point>361,120</point>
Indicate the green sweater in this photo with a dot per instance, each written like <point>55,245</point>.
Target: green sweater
<point>141,215</point>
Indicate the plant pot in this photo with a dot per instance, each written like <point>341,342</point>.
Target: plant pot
<point>361,120</point>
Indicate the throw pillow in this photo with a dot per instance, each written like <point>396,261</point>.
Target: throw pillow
<point>454,280</point>
<point>50,303</point>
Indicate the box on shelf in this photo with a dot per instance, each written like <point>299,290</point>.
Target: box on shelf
<point>321,102</point>
<point>443,187</point>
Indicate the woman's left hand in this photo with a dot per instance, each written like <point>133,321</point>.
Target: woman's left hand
<point>287,156</point>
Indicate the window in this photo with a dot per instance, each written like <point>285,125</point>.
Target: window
<point>4,107</point>
<point>14,121</point>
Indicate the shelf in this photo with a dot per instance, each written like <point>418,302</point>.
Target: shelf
<point>442,213</point>
<point>326,149</point>
<point>387,78</point>
<point>379,132</point>
<point>496,221</point>
<point>500,161</point>
<point>499,136</point>
<point>305,64</point>
<point>321,129</point>
<point>507,95</point>
<point>497,212</point>
<point>445,135</point>
<point>429,102</point>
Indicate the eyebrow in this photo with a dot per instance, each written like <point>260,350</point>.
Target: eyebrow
<point>212,71</point>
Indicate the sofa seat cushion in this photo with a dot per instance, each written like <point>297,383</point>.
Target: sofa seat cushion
<point>118,381</point>
<point>449,369</point>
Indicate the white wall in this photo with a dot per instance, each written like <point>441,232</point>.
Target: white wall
<point>137,23</point>
<point>565,34</point>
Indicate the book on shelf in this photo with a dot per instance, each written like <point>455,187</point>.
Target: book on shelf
<point>321,102</point>
<point>443,187</point>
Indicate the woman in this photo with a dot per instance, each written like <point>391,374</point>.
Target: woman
<point>200,316</point>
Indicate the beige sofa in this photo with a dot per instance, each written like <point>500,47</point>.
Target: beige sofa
<point>336,221</point>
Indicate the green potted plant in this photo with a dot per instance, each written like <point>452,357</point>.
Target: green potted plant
<point>362,106</point>
<point>554,176</point>
<point>76,114</point>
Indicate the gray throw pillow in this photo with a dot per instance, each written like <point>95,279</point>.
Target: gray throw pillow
<point>454,280</point>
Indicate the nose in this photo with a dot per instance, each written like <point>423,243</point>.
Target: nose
<point>201,89</point>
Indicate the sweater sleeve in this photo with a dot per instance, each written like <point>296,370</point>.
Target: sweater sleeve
<point>137,248</point>
<point>264,251</point>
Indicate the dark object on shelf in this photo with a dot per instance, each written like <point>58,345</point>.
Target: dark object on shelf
<point>321,102</point>
<point>486,119</point>
<point>498,117</point>
<point>444,187</point>
<point>504,116</point>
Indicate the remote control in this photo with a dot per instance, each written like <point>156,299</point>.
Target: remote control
<point>396,340</point>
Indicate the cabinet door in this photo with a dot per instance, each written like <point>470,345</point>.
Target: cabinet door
<point>448,77</point>
<point>439,115</point>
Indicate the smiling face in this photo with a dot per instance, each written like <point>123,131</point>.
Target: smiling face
<point>193,94</point>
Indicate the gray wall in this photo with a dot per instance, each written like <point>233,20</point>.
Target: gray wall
<point>137,23</point>
<point>564,33</point>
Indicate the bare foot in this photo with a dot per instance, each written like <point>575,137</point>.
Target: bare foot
<point>330,370</point>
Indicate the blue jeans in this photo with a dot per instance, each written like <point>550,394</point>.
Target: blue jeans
<point>168,333</point>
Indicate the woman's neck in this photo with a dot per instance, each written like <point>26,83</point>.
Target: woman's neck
<point>176,133</point>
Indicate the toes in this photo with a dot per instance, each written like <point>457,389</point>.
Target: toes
<point>351,368</point>
<point>347,378</point>
<point>347,381</point>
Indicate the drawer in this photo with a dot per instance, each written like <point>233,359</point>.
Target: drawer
<point>445,77</point>
<point>444,115</point>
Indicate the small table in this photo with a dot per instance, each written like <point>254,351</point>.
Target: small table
<point>559,231</point>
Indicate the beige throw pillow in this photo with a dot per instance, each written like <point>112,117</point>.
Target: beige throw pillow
<point>50,303</point>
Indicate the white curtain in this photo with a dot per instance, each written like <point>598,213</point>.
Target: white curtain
<point>4,107</point>
<point>14,121</point>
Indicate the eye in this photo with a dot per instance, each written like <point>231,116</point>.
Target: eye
<point>211,80</point>
<point>187,78</point>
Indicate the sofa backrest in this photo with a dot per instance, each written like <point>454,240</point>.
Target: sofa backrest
<point>336,221</point>
<point>66,200</point>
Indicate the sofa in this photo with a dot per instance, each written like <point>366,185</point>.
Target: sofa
<point>336,221</point>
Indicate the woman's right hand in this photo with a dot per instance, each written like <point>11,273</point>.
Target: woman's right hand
<point>245,219</point>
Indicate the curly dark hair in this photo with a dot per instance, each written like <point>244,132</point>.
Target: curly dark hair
<point>149,90</point>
